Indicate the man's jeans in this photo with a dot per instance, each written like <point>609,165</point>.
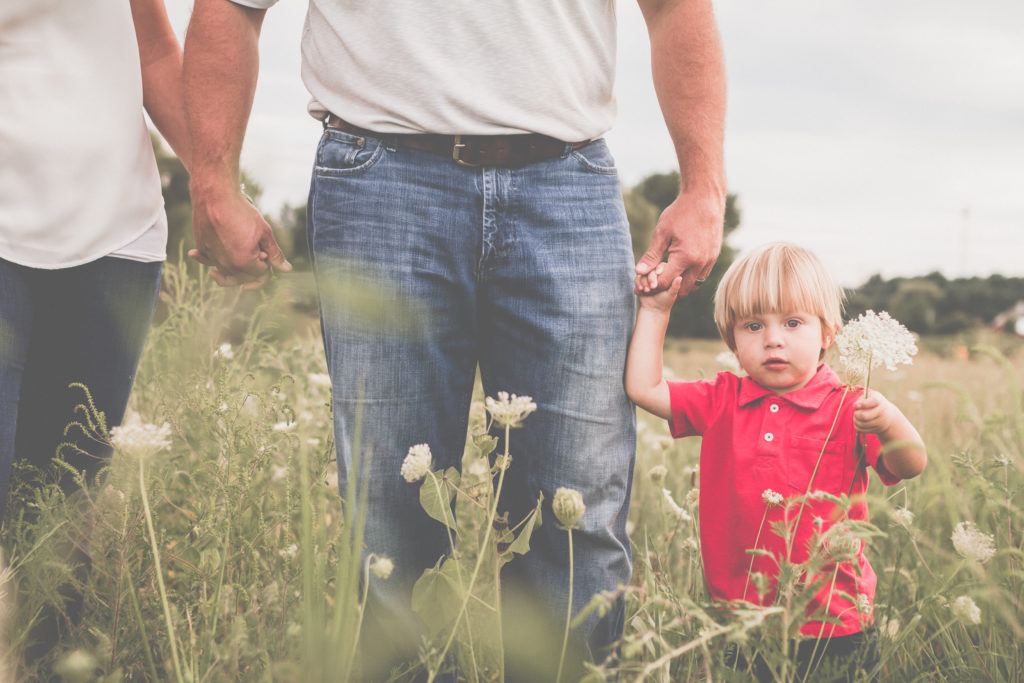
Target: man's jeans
<point>84,324</point>
<point>427,269</point>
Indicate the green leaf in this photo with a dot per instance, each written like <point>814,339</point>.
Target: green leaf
<point>436,596</point>
<point>436,496</point>
<point>521,545</point>
<point>485,443</point>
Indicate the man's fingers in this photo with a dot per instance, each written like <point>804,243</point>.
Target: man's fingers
<point>273,252</point>
<point>199,256</point>
<point>655,251</point>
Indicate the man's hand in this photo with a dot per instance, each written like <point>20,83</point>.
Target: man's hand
<point>232,237</point>
<point>690,232</point>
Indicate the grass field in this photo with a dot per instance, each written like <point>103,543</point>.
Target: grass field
<point>220,553</point>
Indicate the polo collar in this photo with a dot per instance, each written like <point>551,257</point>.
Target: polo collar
<point>824,382</point>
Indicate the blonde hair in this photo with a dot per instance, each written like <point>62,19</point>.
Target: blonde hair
<point>777,278</point>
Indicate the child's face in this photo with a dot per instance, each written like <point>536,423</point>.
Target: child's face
<point>780,351</point>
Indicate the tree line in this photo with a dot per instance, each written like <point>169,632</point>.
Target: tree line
<point>928,304</point>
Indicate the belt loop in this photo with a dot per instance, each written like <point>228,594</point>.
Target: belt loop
<point>326,120</point>
<point>569,147</point>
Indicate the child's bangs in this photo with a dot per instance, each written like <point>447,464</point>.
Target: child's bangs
<point>777,288</point>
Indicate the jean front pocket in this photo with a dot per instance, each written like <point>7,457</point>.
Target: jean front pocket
<point>813,465</point>
<point>344,154</point>
<point>596,158</point>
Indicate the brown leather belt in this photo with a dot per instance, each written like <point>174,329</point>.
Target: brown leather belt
<point>511,151</point>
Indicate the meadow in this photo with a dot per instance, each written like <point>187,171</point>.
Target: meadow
<point>221,549</point>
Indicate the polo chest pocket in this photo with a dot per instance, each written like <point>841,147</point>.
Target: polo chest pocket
<point>805,459</point>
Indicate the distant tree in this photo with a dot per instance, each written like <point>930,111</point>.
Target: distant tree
<point>692,316</point>
<point>290,229</point>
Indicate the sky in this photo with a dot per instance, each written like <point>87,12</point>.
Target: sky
<point>886,136</point>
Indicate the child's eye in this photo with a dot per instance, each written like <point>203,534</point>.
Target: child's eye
<point>793,322</point>
<point>752,326</point>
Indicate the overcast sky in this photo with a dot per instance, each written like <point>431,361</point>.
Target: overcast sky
<point>887,136</point>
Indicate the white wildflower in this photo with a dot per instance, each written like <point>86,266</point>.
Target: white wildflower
<point>503,462</point>
<point>417,463</point>
<point>678,512</point>
<point>889,627</point>
<point>692,497</point>
<point>278,473</point>
<point>509,410</point>
<point>381,567</point>
<point>283,426</point>
<point>133,436</point>
<point>730,362</point>
<point>568,507</point>
<point>841,544</point>
<point>966,611</point>
<point>972,543</point>
<point>77,665</point>
<point>289,552</point>
<point>903,517</point>
<point>864,605</point>
<point>1002,460</point>
<point>657,473</point>
<point>771,498</point>
<point>319,379</point>
<point>874,339</point>
<point>224,351</point>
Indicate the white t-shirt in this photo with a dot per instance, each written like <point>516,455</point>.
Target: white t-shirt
<point>472,67</point>
<point>78,177</point>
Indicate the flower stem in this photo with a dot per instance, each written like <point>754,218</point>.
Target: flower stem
<point>568,611</point>
<point>159,572</point>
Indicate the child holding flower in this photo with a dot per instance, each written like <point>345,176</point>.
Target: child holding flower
<point>773,438</point>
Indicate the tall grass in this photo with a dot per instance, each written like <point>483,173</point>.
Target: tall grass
<point>260,562</point>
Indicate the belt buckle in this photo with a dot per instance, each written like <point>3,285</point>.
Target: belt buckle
<point>457,146</point>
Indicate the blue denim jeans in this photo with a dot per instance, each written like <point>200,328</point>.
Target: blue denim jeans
<point>428,270</point>
<point>84,324</point>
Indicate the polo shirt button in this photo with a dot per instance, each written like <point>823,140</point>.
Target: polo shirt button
<point>774,407</point>
<point>769,436</point>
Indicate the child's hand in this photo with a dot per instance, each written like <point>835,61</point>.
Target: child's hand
<point>873,413</point>
<point>658,301</point>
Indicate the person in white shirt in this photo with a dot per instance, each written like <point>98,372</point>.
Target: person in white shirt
<point>82,225</point>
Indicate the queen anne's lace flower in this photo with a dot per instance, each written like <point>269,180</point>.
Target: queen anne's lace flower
<point>864,605</point>
<point>510,410</point>
<point>966,611</point>
<point>568,506</point>
<point>972,543</point>
<point>657,473</point>
<point>678,512</point>
<point>417,463</point>
<point>874,339</point>
<point>729,361</point>
<point>903,517</point>
<point>381,567</point>
<point>224,351</point>
<point>136,437</point>
<point>771,498</point>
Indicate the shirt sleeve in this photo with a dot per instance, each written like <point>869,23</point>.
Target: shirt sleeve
<point>256,4</point>
<point>692,404</point>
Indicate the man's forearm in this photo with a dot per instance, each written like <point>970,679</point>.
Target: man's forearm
<point>689,77</point>
<point>221,66</point>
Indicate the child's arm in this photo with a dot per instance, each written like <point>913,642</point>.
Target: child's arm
<point>644,381</point>
<point>875,414</point>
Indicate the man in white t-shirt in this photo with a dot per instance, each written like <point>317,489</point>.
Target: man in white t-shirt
<point>461,179</point>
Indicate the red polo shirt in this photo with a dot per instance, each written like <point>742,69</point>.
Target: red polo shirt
<point>754,440</point>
